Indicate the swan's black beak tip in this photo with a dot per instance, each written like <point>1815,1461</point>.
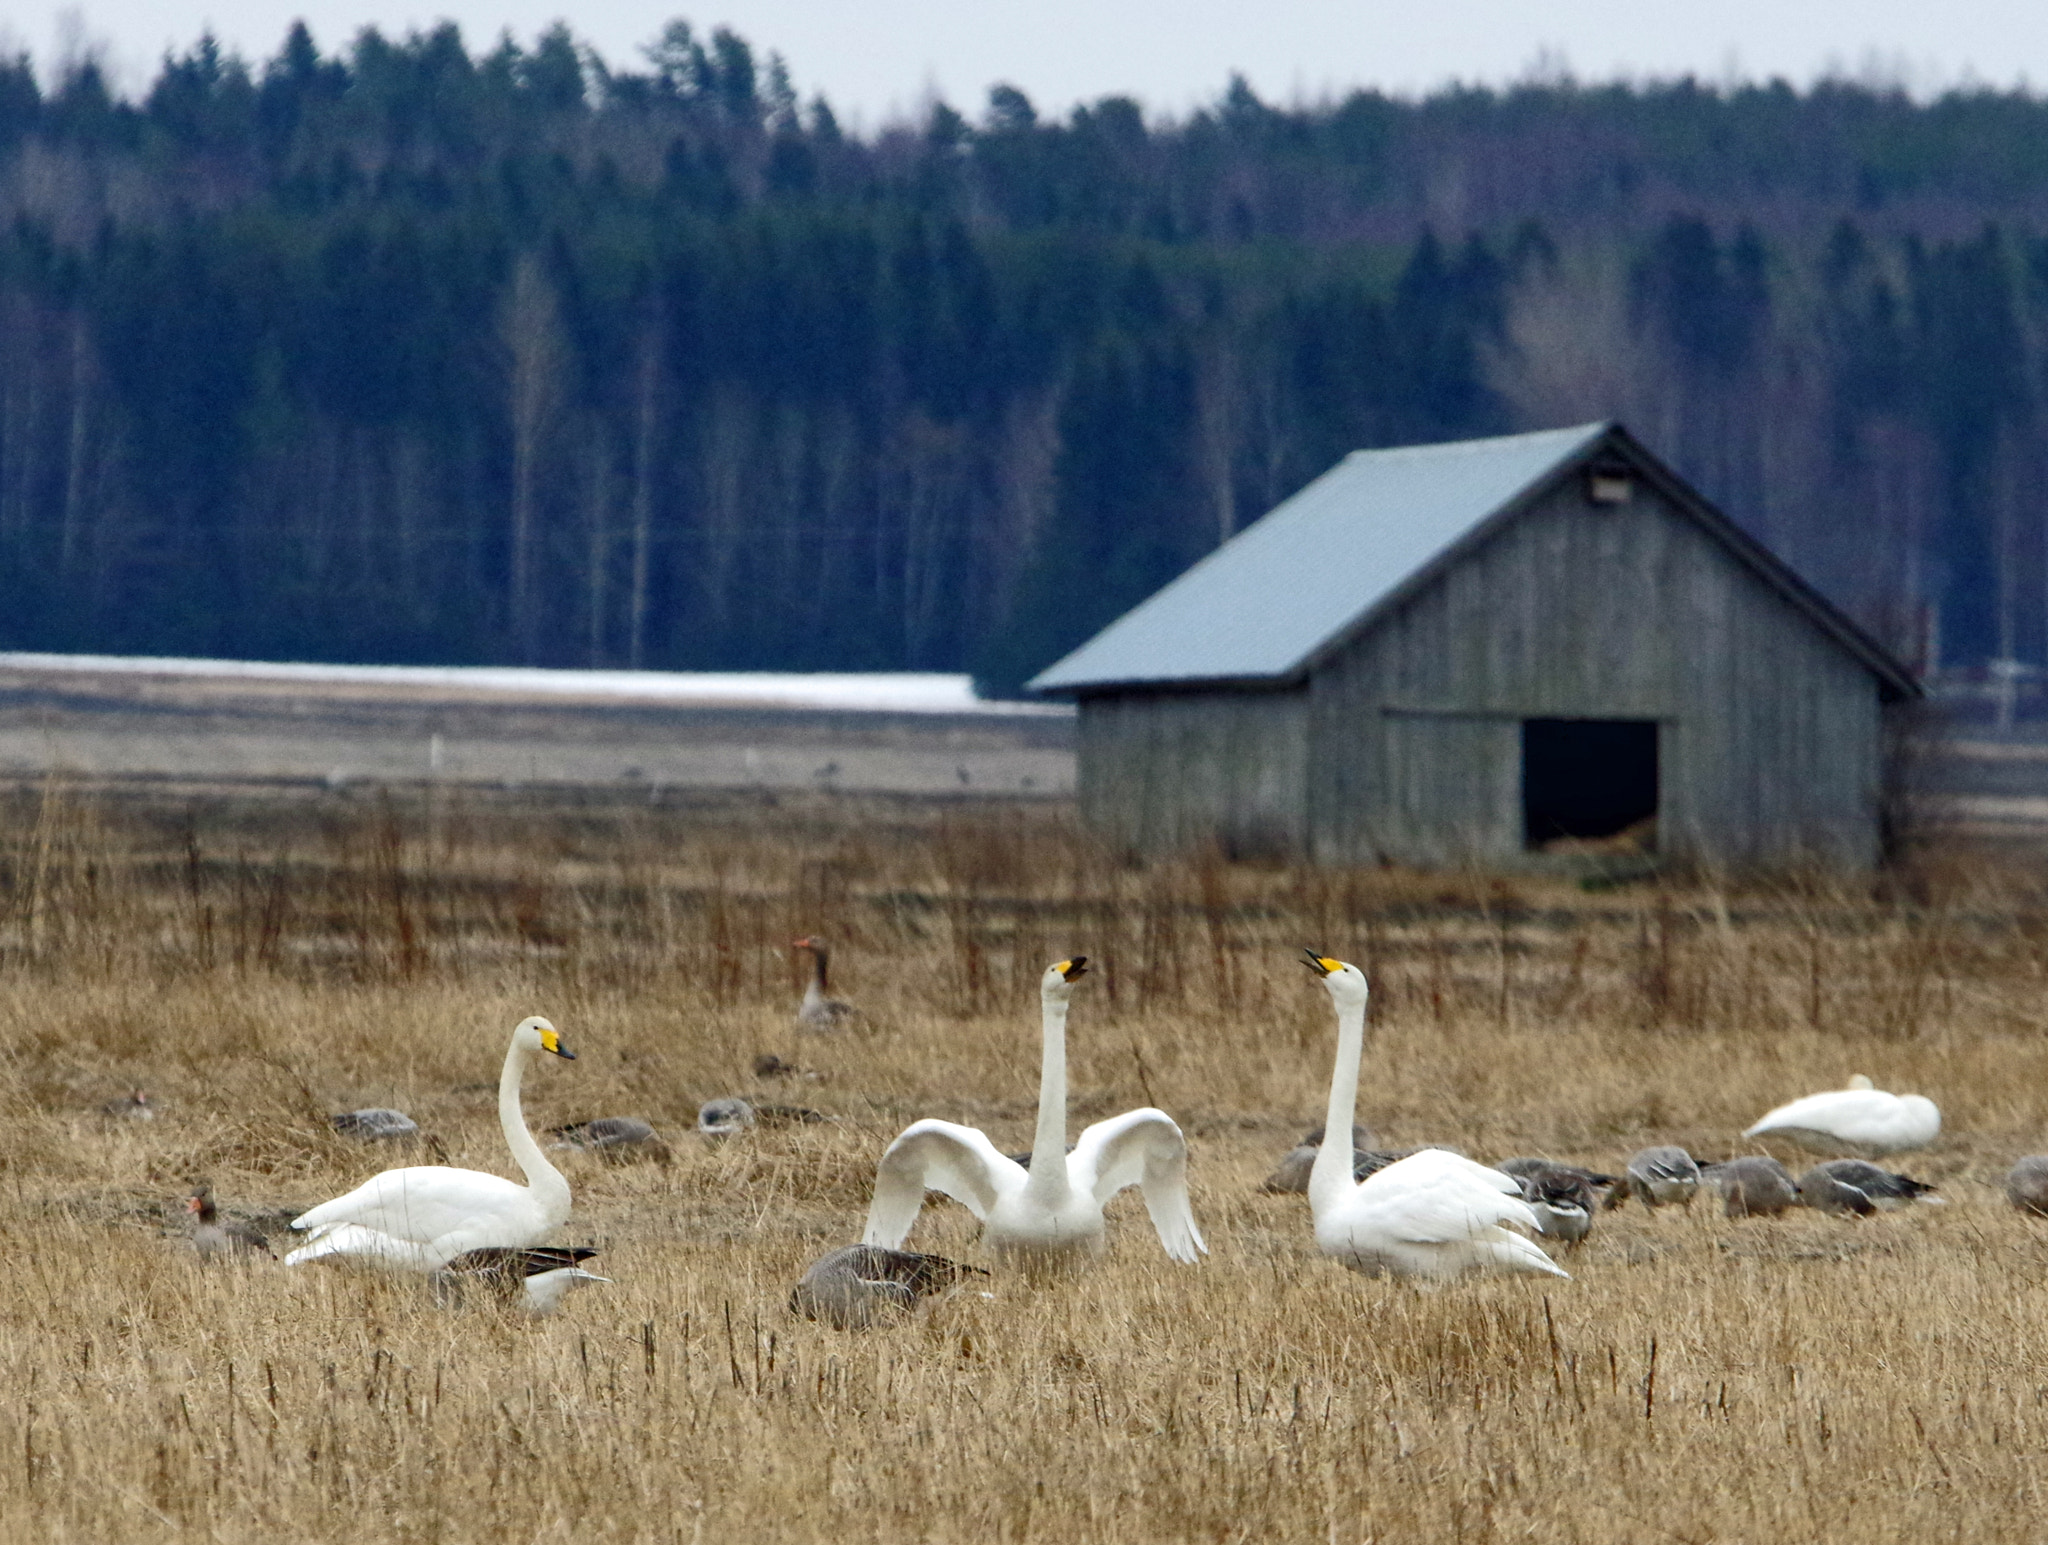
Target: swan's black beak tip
<point>1077,967</point>
<point>1317,961</point>
<point>565,1054</point>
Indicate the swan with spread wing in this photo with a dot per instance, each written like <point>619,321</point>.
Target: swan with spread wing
<point>1053,1210</point>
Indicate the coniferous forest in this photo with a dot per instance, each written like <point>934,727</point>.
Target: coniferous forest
<point>407,352</point>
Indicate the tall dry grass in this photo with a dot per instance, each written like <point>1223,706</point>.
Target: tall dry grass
<point>258,965</point>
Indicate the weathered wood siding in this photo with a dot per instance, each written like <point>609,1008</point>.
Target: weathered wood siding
<point>1769,731</point>
<point>1164,771</point>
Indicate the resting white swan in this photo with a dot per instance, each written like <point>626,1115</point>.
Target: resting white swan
<point>1053,1210</point>
<point>1859,1119</point>
<point>421,1218</point>
<point>1432,1214</point>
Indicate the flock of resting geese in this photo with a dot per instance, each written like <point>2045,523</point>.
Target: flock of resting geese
<point>1430,1214</point>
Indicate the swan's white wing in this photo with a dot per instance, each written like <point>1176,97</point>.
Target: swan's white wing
<point>1433,1197</point>
<point>1141,1148</point>
<point>935,1156</point>
<point>1438,1166</point>
<point>1443,1215</point>
<point>366,1244</point>
<point>429,1202</point>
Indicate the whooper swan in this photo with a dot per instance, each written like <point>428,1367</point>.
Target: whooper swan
<point>421,1218</point>
<point>1858,1119</point>
<point>1430,1215</point>
<point>1052,1211</point>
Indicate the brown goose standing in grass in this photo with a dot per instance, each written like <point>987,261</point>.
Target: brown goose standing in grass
<point>376,1124</point>
<point>1664,1176</point>
<point>620,1139</point>
<point>2026,1186</point>
<point>819,1010</point>
<point>538,1279</point>
<point>214,1239</point>
<point>859,1286</point>
<point>1752,1187</point>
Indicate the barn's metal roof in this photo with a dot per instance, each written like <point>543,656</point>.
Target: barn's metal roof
<point>1293,584</point>
<point>1268,600</point>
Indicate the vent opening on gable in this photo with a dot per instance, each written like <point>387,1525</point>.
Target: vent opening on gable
<point>1609,482</point>
<point>1589,785</point>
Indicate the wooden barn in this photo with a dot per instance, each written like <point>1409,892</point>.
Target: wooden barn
<point>1501,652</point>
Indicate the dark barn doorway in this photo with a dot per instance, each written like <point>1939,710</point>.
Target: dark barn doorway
<point>1588,779</point>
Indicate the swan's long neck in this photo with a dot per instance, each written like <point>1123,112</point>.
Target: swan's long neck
<point>1329,1182</point>
<point>818,969</point>
<point>1049,1147</point>
<point>542,1178</point>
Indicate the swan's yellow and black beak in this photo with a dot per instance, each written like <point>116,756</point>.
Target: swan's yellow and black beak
<point>1322,965</point>
<point>1069,969</point>
<point>550,1041</point>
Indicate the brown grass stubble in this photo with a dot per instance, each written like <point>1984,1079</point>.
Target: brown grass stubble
<point>257,965</point>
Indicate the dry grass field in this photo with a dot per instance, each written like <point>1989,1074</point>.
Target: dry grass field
<point>257,965</point>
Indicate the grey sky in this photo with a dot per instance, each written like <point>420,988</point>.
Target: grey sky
<point>880,58</point>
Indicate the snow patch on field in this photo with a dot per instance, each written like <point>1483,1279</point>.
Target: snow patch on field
<point>885,692</point>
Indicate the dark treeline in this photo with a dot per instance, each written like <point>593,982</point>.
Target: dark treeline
<point>412,354</point>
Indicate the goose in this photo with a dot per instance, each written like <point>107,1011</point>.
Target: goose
<point>135,1105</point>
<point>1052,1212</point>
<point>1606,1191</point>
<point>818,1011</point>
<point>1860,1117</point>
<point>376,1124</point>
<point>421,1218</point>
<point>1885,1188</point>
<point>1562,1196</point>
<point>859,1286</point>
<point>537,1279</point>
<point>617,1138</point>
<point>1431,1215</point>
<point>2026,1186</point>
<point>213,1238</point>
<point>1752,1187</point>
<point>1663,1176</point>
<point>726,1117</point>
<point>1826,1193</point>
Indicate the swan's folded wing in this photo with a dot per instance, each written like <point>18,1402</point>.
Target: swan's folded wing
<point>366,1244</point>
<point>1435,1166</point>
<point>935,1156</point>
<point>1442,1203</point>
<point>423,1203</point>
<point>1142,1148</point>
